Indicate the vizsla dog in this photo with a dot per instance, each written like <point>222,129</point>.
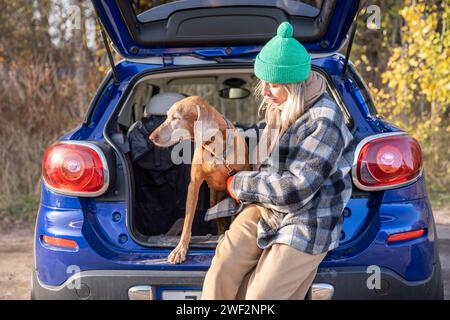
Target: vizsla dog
<point>193,118</point>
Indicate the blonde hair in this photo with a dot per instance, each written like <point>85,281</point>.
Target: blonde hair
<point>291,109</point>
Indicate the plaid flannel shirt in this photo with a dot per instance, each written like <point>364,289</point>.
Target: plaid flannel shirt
<point>307,185</point>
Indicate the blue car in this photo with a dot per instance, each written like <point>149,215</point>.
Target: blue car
<point>111,201</point>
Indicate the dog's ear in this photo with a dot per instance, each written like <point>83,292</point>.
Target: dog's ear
<point>199,112</point>
<point>206,123</point>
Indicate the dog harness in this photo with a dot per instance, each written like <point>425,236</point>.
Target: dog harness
<point>228,148</point>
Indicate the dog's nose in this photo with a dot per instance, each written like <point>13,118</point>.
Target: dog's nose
<point>154,137</point>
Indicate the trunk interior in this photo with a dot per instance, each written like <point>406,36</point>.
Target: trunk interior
<point>159,186</point>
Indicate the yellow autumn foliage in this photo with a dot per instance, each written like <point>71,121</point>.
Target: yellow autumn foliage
<point>415,94</point>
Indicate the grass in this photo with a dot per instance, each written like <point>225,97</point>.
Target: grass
<point>439,200</point>
<point>21,208</point>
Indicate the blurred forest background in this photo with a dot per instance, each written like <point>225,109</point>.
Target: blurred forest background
<point>49,72</point>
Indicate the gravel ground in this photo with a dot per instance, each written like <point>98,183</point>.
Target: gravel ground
<point>16,260</point>
<point>16,257</point>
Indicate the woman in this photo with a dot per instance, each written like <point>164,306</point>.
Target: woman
<point>292,204</point>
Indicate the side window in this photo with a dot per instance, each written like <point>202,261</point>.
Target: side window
<point>134,108</point>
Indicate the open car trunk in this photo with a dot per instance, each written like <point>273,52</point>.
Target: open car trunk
<point>160,186</point>
<point>211,31</point>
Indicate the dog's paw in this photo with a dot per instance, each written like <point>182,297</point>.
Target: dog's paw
<point>178,255</point>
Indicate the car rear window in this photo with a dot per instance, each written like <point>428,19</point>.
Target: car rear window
<point>243,111</point>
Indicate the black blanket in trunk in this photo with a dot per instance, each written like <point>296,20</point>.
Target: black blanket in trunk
<point>161,186</point>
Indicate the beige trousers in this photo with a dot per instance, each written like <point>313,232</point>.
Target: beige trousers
<point>241,270</point>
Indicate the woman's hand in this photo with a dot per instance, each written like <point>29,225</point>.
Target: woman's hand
<point>229,181</point>
<point>270,218</point>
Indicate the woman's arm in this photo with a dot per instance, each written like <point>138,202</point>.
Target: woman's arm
<point>308,164</point>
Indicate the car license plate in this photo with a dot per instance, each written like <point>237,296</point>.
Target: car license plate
<point>181,295</point>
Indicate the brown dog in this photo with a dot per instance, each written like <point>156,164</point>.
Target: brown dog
<point>207,164</point>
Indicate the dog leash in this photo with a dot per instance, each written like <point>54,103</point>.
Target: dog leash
<point>229,144</point>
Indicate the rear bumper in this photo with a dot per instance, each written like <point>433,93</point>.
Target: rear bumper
<point>345,283</point>
<point>353,283</point>
<point>113,284</point>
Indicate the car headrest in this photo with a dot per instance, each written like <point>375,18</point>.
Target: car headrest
<point>160,103</point>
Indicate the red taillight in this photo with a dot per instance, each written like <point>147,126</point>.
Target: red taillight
<point>387,162</point>
<point>59,242</point>
<point>75,169</point>
<point>410,235</point>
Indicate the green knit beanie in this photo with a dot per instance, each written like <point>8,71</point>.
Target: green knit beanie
<point>283,59</point>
